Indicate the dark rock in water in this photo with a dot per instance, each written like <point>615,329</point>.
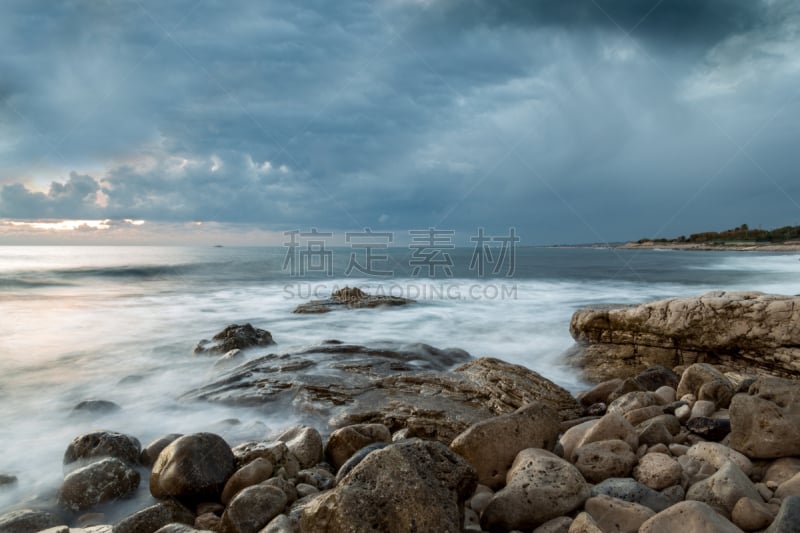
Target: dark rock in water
<point>103,444</point>
<point>99,482</point>
<point>234,337</point>
<point>151,452</point>
<point>7,480</point>
<point>154,517</point>
<point>412,485</point>
<point>350,298</point>
<point>193,468</point>
<point>95,407</point>
<point>397,385</point>
<point>27,521</point>
<point>714,429</point>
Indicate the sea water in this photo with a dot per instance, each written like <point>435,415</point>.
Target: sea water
<point>120,323</point>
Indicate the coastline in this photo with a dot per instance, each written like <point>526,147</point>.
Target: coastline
<point>717,247</point>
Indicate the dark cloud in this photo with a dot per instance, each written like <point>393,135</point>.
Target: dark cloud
<point>403,113</point>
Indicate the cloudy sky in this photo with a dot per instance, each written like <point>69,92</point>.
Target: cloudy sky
<point>571,120</point>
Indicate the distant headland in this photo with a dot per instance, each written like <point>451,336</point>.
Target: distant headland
<point>743,238</point>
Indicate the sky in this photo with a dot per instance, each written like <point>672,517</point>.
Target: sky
<point>572,121</point>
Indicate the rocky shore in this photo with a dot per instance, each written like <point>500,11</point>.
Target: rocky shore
<point>412,438</point>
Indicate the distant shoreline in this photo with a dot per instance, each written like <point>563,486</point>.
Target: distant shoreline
<point>718,246</point>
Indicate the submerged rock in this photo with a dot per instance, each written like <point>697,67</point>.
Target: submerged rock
<point>102,481</point>
<point>101,444</point>
<point>192,468</point>
<point>234,337</point>
<point>402,386</point>
<point>747,331</point>
<point>27,521</point>
<point>350,298</point>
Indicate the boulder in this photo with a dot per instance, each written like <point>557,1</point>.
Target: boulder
<point>234,337</point>
<point>658,471</point>
<point>192,468</point>
<point>276,453</point>
<point>781,470</point>
<point>154,517</point>
<point>252,509</point>
<point>305,443</point>
<point>697,376</point>
<point>584,523</point>
<point>151,452</point>
<point>491,445</point>
<point>722,490</point>
<point>631,490</point>
<point>716,455</point>
<point>765,422</point>
<point>346,441</point>
<point>598,461</point>
<point>98,444</point>
<point>751,515</point>
<point>102,481</point>
<point>250,474</point>
<point>280,524</point>
<point>350,298</point>
<point>747,331</point>
<point>94,407</point>
<point>632,401</point>
<point>790,487</point>
<point>413,485</point>
<point>27,521</point>
<point>688,517</point>
<point>617,516</point>
<point>611,426</point>
<point>788,518</point>
<point>541,486</point>
<point>556,525</point>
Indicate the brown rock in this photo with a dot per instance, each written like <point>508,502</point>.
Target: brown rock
<point>491,445</point>
<point>346,441</point>
<point>151,452</point>
<point>102,481</point>
<point>276,453</point>
<point>252,509</point>
<point>155,517</point>
<point>194,468</point>
<point>688,517</point>
<point>765,422</point>
<point>251,474</point>
<point>541,486</point>
<point>751,515</point>
<point>103,444</point>
<point>235,337</point>
<point>722,490</point>
<point>584,523</point>
<point>305,443</point>
<point>422,486</point>
<point>605,459</point>
<point>617,516</point>
<point>658,471</point>
<point>611,426</point>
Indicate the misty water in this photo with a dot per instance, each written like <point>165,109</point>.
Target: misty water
<point>120,323</point>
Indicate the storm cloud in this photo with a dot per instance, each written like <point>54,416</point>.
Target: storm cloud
<point>573,121</point>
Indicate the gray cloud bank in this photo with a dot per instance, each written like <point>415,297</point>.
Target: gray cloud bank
<point>573,121</point>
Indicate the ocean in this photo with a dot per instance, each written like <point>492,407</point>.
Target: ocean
<point>120,323</point>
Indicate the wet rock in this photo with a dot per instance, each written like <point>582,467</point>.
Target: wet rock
<point>403,386</point>
<point>344,442</point>
<point>541,486</point>
<point>192,468</point>
<point>276,453</point>
<point>7,480</point>
<point>154,517</point>
<point>788,518</point>
<point>605,459</point>
<point>350,298</point>
<point>319,477</point>
<point>658,471</point>
<point>252,509</point>
<point>207,521</point>
<point>491,445</point>
<point>99,444</point>
<point>412,485</point>
<point>95,407</point>
<point>688,517</point>
<point>305,443</point>
<point>723,489</point>
<point>713,429</point>
<point>765,422</point>
<point>748,331</point>
<point>234,337</point>
<point>617,516</point>
<point>27,521</point>
<point>151,452</point>
<point>102,481</point>
<point>251,474</point>
<point>631,490</point>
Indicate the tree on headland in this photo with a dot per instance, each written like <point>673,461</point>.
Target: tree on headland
<point>742,233</point>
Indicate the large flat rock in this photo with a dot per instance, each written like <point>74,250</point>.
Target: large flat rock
<point>745,331</point>
<point>403,386</point>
